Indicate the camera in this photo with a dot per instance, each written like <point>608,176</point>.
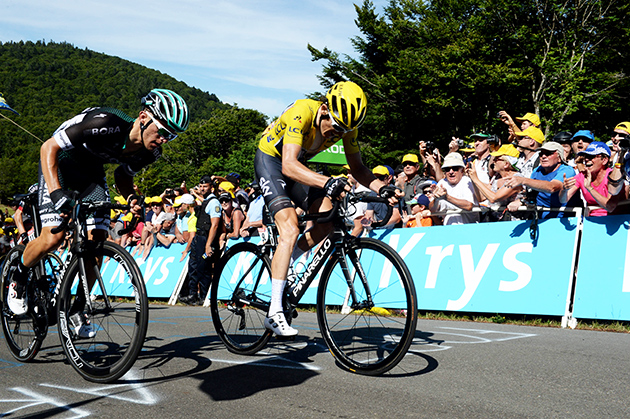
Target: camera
<point>460,142</point>
<point>430,146</point>
<point>169,193</point>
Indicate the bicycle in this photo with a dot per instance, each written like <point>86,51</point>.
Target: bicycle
<point>120,326</point>
<point>367,321</point>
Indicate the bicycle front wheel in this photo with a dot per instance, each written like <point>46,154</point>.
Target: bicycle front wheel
<point>369,325</point>
<point>24,333</point>
<point>241,292</point>
<point>118,313</point>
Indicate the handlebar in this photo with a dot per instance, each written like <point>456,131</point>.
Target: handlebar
<point>352,198</point>
<point>82,208</point>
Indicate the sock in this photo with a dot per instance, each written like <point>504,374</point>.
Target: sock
<point>277,289</point>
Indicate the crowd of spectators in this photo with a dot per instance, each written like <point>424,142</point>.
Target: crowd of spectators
<point>526,176</point>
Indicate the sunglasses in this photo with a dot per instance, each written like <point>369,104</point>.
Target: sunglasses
<point>622,136</point>
<point>449,169</point>
<point>409,163</point>
<point>546,152</point>
<point>338,128</point>
<point>162,131</point>
<point>592,157</point>
<point>583,139</point>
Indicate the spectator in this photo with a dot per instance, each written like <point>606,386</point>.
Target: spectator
<point>431,159</point>
<point>592,180</point>
<point>241,196</point>
<point>400,177</point>
<point>204,250</point>
<point>420,215</point>
<point>528,142</point>
<point>455,192</point>
<point>356,213</point>
<point>547,179</point>
<point>503,166</point>
<point>482,151</point>
<point>581,140</point>
<point>166,235</point>
<point>564,139</point>
<point>185,221</point>
<point>254,217</point>
<point>152,224</point>
<point>620,139</point>
<point>377,211</point>
<point>202,189</point>
<point>526,121</point>
<point>233,216</point>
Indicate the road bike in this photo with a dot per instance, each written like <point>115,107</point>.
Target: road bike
<point>116,304</point>
<point>366,298</point>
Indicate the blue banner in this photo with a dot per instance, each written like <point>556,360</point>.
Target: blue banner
<point>603,278</point>
<point>161,272</point>
<point>456,268</point>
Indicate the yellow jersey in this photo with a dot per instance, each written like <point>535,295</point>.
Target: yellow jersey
<point>296,125</point>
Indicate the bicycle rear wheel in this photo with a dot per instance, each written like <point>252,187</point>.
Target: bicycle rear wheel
<point>372,333</point>
<point>241,292</point>
<point>24,333</point>
<point>120,319</point>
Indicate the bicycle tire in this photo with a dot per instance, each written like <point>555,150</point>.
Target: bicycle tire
<point>120,331</point>
<point>24,334</point>
<point>370,339</point>
<point>240,298</point>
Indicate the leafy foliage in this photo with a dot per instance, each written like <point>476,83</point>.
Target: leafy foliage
<point>50,83</point>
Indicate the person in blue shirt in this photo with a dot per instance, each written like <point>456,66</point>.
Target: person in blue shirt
<point>547,178</point>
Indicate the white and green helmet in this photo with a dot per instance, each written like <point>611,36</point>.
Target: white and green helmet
<point>169,107</point>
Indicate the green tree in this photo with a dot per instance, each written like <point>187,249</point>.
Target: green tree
<point>441,68</point>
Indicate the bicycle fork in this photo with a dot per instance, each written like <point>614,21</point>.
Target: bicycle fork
<point>350,275</point>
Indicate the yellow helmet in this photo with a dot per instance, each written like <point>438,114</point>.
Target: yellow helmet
<point>347,104</point>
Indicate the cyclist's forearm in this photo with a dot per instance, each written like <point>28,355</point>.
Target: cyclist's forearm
<point>49,157</point>
<point>302,174</point>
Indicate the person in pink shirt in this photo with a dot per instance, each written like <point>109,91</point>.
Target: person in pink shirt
<point>591,179</point>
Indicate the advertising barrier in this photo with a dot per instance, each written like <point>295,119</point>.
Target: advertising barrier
<point>494,269</point>
<point>485,268</point>
<point>603,279</point>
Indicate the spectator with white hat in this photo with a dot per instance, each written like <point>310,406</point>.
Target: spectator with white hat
<point>455,192</point>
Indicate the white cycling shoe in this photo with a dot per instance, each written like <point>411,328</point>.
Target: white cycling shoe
<point>17,299</point>
<point>278,325</point>
<point>81,325</point>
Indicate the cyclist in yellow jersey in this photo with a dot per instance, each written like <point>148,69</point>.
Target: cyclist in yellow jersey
<point>304,129</point>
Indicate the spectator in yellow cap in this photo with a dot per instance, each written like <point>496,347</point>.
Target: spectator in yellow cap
<point>227,187</point>
<point>528,142</point>
<point>503,166</point>
<point>619,139</point>
<point>526,121</point>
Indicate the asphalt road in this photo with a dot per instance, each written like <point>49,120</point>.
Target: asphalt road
<point>454,370</point>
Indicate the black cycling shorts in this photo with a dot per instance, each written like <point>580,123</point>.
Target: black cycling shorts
<point>91,185</point>
<point>280,191</point>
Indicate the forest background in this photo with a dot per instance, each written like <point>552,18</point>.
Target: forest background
<point>431,70</point>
